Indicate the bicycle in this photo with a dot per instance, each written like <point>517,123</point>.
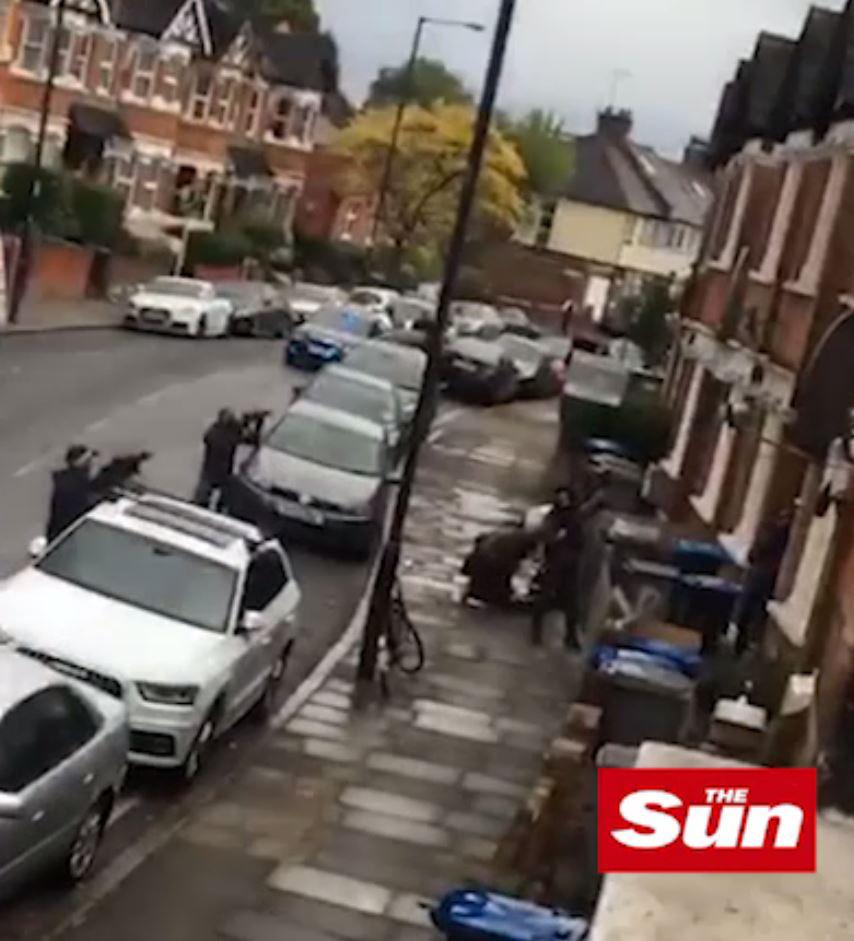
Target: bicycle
<point>401,647</point>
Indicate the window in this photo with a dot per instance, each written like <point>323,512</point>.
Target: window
<point>169,77</point>
<point>79,54</point>
<point>40,733</point>
<point>253,108</point>
<point>264,580</point>
<point>201,97</point>
<point>281,118</point>
<point>147,177</point>
<point>234,109</point>
<point>123,174</point>
<point>107,67</point>
<point>34,46</point>
<point>143,77</point>
<point>222,100</point>
<point>302,118</point>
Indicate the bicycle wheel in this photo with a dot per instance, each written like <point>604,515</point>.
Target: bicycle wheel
<point>406,645</point>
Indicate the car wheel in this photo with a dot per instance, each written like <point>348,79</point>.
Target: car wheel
<point>266,705</point>
<point>196,756</point>
<point>84,848</point>
<point>202,327</point>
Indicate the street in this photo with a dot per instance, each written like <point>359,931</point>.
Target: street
<point>118,392</point>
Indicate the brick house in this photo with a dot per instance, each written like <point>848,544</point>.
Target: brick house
<point>185,108</point>
<point>760,384</point>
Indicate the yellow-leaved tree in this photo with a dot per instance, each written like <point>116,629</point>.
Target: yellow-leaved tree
<point>431,158</point>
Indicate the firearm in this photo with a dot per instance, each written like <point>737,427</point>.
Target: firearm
<point>252,425</point>
<point>120,471</point>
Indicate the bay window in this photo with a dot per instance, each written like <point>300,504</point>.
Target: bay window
<point>302,116</point>
<point>106,66</point>
<point>79,54</point>
<point>147,183</point>
<point>201,99</point>
<point>279,125</point>
<point>143,76</point>
<point>34,46</point>
<point>221,100</point>
<point>170,70</point>
<point>123,174</point>
<point>253,109</point>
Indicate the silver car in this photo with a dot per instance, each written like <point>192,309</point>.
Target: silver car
<point>402,366</point>
<point>63,749</point>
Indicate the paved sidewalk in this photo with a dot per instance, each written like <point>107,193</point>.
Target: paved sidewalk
<point>347,820</point>
<point>87,314</point>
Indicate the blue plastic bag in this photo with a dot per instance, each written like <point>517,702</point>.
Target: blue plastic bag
<point>475,915</point>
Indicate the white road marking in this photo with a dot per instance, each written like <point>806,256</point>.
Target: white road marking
<point>97,425</point>
<point>152,397</point>
<point>441,423</point>
<point>123,807</point>
<point>35,464</point>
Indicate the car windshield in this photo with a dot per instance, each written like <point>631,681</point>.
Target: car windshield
<point>177,288</point>
<point>144,573</point>
<point>354,397</point>
<point>400,366</point>
<point>312,292</point>
<point>238,291</point>
<point>343,321</point>
<point>330,445</point>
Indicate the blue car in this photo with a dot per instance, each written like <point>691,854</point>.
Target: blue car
<point>329,337</point>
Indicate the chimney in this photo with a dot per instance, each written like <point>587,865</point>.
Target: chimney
<point>614,124</point>
<point>696,154</point>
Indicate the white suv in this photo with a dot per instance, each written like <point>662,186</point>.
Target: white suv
<point>187,616</point>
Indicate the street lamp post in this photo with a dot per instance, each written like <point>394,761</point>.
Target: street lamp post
<point>379,606</point>
<point>22,266</point>
<point>405,96</point>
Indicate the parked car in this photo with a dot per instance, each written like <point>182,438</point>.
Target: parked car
<point>402,366</point>
<point>517,322</point>
<point>377,300</point>
<point>186,615</point>
<point>410,312</point>
<point>539,377</point>
<point>559,349</point>
<point>305,300</point>
<point>184,306</point>
<point>320,474</point>
<point>63,752</point>
<point>258,309</point>
<point>357,393</point>
<point>415,337</point>
<point>473,319</point>
<point>329,336</point>
<point>480,371</point>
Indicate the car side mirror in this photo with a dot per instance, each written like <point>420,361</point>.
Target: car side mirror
<point>250,623</point>
<point>11,807</point>
<point>37,547</point>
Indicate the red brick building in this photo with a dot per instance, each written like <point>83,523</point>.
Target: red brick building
<point>186,108</point>
<point>761,382</point>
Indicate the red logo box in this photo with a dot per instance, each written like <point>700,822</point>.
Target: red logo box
<point>707,820</point>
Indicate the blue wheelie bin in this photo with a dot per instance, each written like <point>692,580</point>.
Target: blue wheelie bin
<point>475,915</point>
<point>695,557</point>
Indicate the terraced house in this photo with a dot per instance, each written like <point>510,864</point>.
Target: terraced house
<point>186,107</point>
<point>763,383</point>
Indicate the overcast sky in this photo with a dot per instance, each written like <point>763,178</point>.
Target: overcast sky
<point>564,53</point>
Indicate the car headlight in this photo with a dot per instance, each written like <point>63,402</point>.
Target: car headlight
<point>168,695</point>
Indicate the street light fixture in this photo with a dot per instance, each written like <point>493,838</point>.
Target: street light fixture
<point>380,600</point>
<point>408,80</point>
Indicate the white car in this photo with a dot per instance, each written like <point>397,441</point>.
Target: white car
<point>186,615</point>
<point>377,301</point>
<point>185,306</point>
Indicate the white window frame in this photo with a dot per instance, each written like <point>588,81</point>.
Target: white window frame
<point>201,115</point>
<point>221,99</point>
<point>145,75</point>
<point>149,186</point>
<point>276,118</point>
<point>41,50</point>
<point>124,182</point>
<point>252,114</point>
<point>168,77</point>
<point>106,67</point>
<point>79,53</point>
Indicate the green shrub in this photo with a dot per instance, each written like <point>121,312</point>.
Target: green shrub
<point>42,191</point>
<point>97,213</point>
<point>218,249</point>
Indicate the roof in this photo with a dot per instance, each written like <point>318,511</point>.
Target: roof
<point>332,416</point>
<point>145,16</point>
<point>808,65</point>
<point>769,70</point>
<point>20,677</point>
<point>353,375</point>
<point>249,162</point>
<point>619,174</point>
<point>303,60</point>
<point>98,122</point>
